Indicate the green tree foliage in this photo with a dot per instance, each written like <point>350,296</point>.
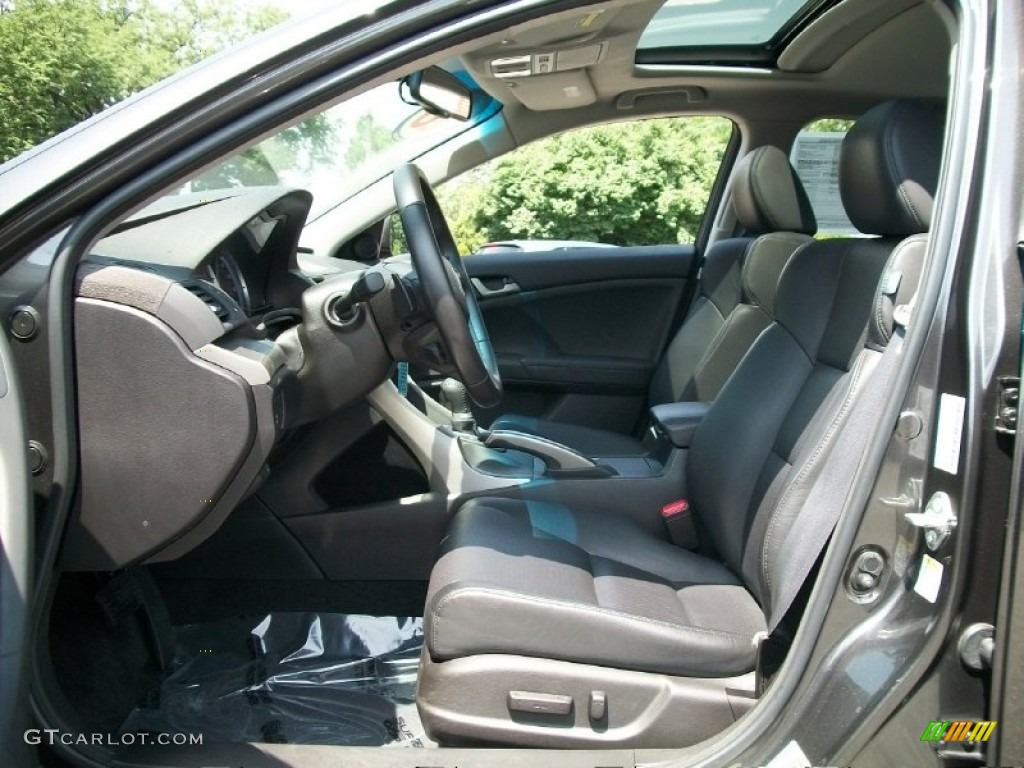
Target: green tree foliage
<point>461,200</point>
<point>371,137</point>
<point>196,29</point>
<point>626,184</point>
<point>62,61</point>
<point>829,125</point>
<point>298,149</point>
<point>399,243</point>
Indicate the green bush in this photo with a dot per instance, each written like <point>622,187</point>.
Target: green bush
<point>632,183</point>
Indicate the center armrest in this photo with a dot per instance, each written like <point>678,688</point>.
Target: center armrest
<point>679,421</point>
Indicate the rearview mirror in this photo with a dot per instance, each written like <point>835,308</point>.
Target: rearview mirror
<point>440,93</point>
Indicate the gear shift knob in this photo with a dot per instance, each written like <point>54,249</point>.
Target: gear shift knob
<point>454,392</point>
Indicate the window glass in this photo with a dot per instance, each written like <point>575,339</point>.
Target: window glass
<point>342,150</point>
<point>645,182</point>
<point>815,156</point>
<point>715,23</point>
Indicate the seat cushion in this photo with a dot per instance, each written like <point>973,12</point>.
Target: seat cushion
<point>538,579</point>
<point>591,442</point>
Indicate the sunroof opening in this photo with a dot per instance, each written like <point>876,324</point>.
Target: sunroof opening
<point>721,23</point>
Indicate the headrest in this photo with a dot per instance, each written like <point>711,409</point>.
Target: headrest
<point>768,196</point>
<point>889,168</point>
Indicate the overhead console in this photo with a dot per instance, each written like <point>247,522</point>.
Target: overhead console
<point>546,62</point>
<point>547,67</point>
<point>552,79</point>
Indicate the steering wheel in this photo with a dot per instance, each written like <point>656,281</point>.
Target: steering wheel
<point>446,286</point>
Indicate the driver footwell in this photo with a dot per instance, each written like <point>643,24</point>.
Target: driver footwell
<point>296,678</point>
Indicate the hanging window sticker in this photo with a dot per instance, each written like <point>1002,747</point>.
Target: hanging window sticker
<point>815,157</point>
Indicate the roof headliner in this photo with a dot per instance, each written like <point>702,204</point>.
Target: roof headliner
<point>854,55</point>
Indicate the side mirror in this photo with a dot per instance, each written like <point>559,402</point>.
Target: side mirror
<point>440,93</point>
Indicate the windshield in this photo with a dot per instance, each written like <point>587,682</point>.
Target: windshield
<point>342,150</point>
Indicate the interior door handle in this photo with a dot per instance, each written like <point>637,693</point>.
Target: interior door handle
<point>508,286</point>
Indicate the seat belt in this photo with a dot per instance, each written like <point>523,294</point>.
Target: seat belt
<point>829,492</point>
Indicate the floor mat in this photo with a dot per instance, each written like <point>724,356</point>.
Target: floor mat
<point>295,678</point>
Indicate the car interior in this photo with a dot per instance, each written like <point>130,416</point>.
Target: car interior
<point>527,498</point>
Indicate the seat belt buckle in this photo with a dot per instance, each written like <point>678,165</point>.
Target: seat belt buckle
<point>679,521</point>
<point>770,652</point>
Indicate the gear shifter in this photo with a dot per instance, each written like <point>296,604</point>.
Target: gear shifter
<point>455,396</point>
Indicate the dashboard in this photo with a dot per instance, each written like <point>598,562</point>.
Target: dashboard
<point>199,345</point>
<point>242,242</point>
<point>241,265</point>
<point>178,369</point>
<point>224,272</point>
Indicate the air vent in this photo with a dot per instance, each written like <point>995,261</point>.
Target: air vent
<point>210,299</point>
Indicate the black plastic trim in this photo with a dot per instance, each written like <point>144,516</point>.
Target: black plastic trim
<point>534,270</point>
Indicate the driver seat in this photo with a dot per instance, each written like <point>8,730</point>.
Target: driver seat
<point>734,303</point>
<point>547,625</point>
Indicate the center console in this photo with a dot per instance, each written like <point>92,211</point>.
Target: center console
<point>468,461</point>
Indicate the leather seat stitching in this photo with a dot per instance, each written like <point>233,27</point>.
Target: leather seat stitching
<point>879,325</point>
<point>719,339</point>
<point>760,200</point>
<point>514,596</point>
<point>811,462</point>
<point>805,226</point>
<point>884,332</point>
<point>717,309</point>
<point>835,288</point>
<point>888,145</point>
<point>660,577</point>
<point>769,237</point>
<point>745,283</point>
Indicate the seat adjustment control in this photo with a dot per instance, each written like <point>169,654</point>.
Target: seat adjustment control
<point>598,705</point>
<point>539,703</point>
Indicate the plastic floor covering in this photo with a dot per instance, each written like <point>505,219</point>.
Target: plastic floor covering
<point>294,678</point>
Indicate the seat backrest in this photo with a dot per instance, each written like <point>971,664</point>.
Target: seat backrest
<point>756,454</point>
<point>736,296</point>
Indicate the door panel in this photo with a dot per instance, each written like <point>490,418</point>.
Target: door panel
<point>577,333</point>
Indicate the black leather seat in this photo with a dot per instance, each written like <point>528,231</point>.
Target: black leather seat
<point>539,597</point>
<point>734,303</point>
<point>539,579</point>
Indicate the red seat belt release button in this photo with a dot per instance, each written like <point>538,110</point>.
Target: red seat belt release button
<point>675,508</point>
<point>679,521</point>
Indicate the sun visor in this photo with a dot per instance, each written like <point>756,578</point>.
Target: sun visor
<point>560,90</point>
